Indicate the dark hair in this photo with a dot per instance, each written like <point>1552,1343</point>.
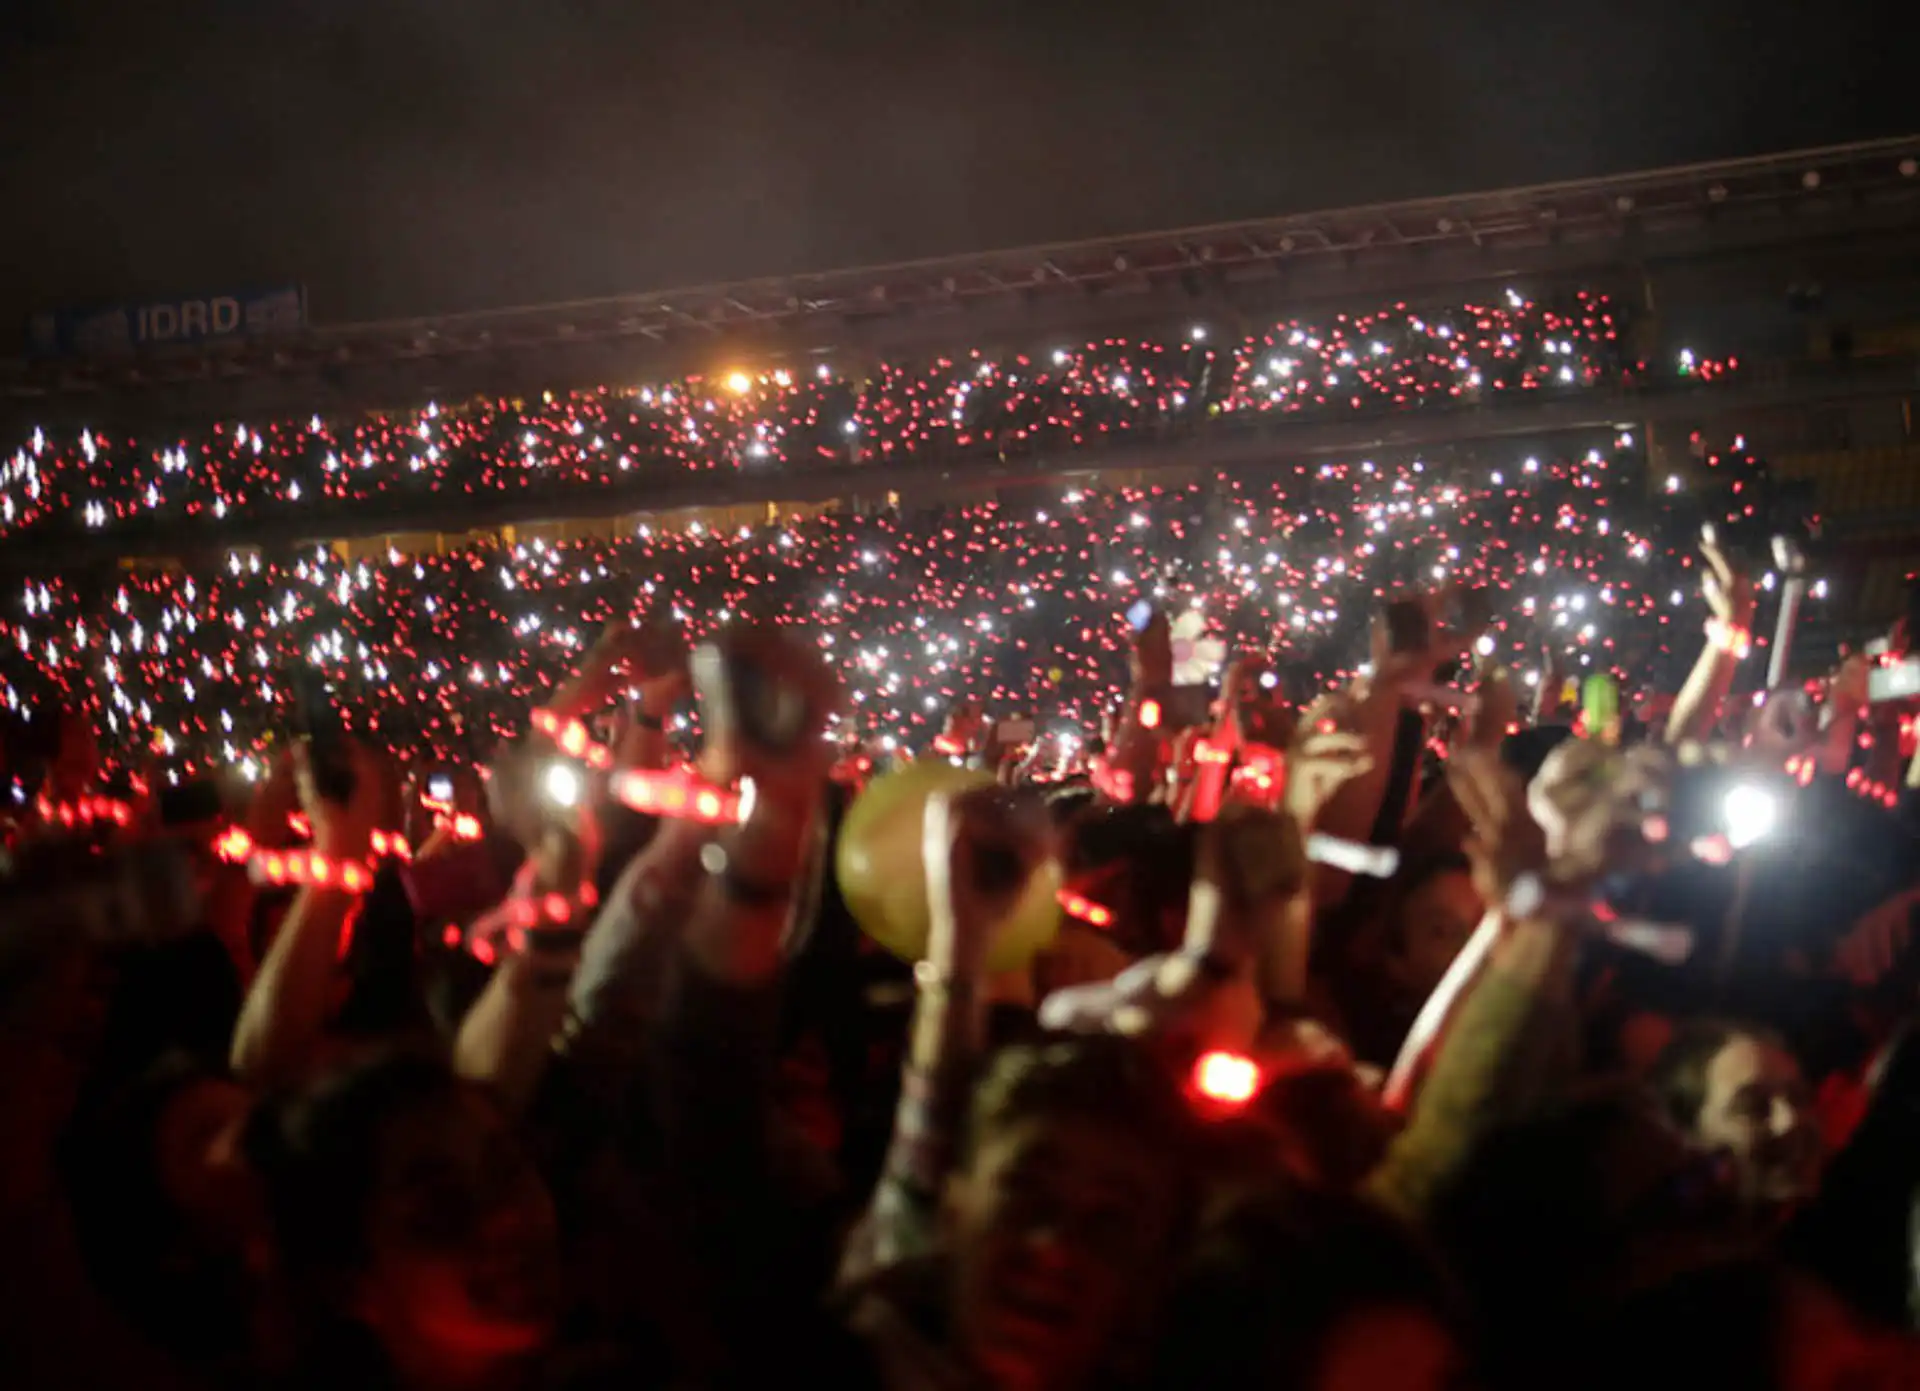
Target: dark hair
<point>1110,1081</point>
<point>1413,877</point>
<point>1717,1325</point>
<point>317,1153</point>
<point>178,995</point>
<point>1547,1222</point>
<point>1139,860</point>
<point>387,995</point>
<point>1274,1275</point>
<point>133,1242</point>
<point>1679,1075</point>
<point>1526,751</point>
<point>1068,800</point>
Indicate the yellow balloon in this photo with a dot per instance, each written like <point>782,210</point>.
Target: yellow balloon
<point>883,878</point>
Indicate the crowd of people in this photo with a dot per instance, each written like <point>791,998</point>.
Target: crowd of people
<point>1020,605</point>
<point>579,445</point>
<point>1324,1042</point>
<point>1361,925</point>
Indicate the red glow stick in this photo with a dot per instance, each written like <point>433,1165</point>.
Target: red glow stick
<point>1085,909</point>
<point>676,794</point>
<point>86,811</point>
<point>574,739</point>
<point>304,868</point>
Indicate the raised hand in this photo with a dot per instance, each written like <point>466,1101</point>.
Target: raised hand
<point>1727,588</point>
<point>345,829</point>
<point>765,696</point>
<point>1442,643</point>
<point>1506,843</point>
<point>965,727</point>
<point>1319,765</point>
<point>1153,653</point>
<point>1596,812</point>
<point>1496,708</point>
<point>979,848</point>
<point>651,655</point>
<point>277,799</point>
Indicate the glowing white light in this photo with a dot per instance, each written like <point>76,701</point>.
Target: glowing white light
<point>561,785</point>
<point>1750,814</point>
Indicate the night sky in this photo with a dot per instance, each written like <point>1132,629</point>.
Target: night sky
<point>421,156</point>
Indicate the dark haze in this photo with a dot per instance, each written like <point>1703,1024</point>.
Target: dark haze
<point>417,156</point>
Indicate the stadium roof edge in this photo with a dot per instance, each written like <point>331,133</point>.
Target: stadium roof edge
<point>1797,162</point>
<point>1595,230</point>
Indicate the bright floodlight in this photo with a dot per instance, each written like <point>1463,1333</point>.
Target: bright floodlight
<point>1750,814</point>
<point>562,785</point>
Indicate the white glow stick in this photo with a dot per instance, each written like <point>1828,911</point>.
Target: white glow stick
<point>1665,943</point>
<point>1374,861</point>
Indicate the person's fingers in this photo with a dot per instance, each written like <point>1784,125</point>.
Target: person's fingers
<point>1468,783</point>
<point>1333,746</point>
<point>300,767</point>
<point>1717,560</point>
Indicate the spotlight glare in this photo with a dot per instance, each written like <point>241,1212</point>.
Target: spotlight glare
<point>562,785</point>
<point>1750,814</point>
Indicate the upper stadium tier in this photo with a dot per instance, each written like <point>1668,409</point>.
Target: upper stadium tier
<point>1522,311</point>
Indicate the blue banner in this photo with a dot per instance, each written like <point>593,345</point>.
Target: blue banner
<point>132,328</point>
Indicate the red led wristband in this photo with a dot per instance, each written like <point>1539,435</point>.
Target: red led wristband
<point>309,869</point>
<point>1730,638</point>
<point>85,811</point>
<point>573,738</point>
<point>677,794</point>
<point>551,909</point>
<point>1085,909</point>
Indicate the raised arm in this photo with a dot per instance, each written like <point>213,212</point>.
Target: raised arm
<point>284,1018</point>
<point>1496,1030</point>
<point>1729,595</point>
<point>980,849</point>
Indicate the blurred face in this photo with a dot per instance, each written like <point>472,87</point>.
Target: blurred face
<point>464,1257</point>
<point>1757,1112</point>
<point>1059,1231</point>
<point>1436,920</point>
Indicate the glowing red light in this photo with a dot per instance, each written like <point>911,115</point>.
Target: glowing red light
<point>1227,1078</point>
<point>1085,909</point>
